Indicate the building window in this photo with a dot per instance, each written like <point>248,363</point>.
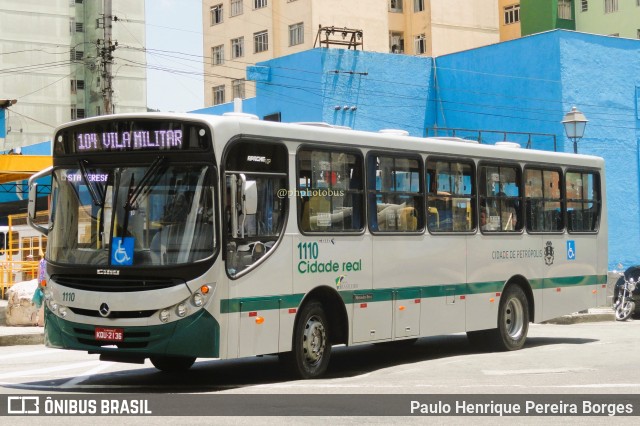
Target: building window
<point>638,34</point>
<point>237,47</point>
<point>72,25</point>
<point>79,1</point>
<point>77,85</point>
<point>76,55</point>
<point>259,4</point>
<point>77,113</point>
<point>236,7</point>
<point>217,55</point>
<point>238,89</point>
<point>296,34</point>
<point>218,95</point>
<point>79,27</point>
<point>610,6</point>
<point>420,44</point>
<point>98,110</point>
<point>396,42</point>
<point>564,9</point>
<point>260,42</point>
<point>418,5</point>
<point>216,14</point>
<point>512,14</point>
<point>395,6</point>
<point>585,5</point>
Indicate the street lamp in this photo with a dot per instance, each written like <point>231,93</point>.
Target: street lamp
<point>574,123</point>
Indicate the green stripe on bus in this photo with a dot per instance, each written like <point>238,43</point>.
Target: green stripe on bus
<point>245,304</point>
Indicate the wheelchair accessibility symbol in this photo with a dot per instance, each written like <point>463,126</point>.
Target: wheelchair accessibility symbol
<point>571,250</point>
<point>122,253</point>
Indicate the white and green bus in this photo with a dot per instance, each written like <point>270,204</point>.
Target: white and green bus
<point>181,236</point>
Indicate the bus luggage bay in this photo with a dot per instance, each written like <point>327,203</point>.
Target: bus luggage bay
<point>183,236</point>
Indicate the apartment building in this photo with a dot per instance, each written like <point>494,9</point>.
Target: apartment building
<point>238,33</point>
<point>619,18</point>
<point>51,61</point>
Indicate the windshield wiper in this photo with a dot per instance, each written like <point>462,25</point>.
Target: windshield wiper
<point>98,198</point>
<point>148,180</point>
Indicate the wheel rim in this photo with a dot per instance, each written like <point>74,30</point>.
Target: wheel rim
<point>314,341</point>
<point>624,310</point>
<point>514,318</point>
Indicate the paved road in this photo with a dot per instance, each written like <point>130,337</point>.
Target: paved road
<point>588,358</point>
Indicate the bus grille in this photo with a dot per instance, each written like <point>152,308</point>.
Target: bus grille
<point>113,314</point>
<point>93,283</point>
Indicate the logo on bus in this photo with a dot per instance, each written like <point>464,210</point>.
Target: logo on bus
<point>108,272</point>
<point>548,254</point>
<point>258,159</point>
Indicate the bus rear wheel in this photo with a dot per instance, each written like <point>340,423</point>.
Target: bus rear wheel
<point>311,350</point>
<point>172,364</point>
<point>513,323</point>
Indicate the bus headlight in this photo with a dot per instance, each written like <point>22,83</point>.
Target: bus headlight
<point>197,300</point>
<point>53,306</point>
<point>181,310</point>
<point>164,315</point>
<point>62,311</point>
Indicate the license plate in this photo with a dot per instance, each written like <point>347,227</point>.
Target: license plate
<point>109,334</point>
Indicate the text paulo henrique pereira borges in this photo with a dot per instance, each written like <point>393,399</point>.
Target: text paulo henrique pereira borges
<point>527,408</point>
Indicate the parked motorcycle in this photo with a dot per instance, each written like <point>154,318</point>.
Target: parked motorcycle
<point>626,294</point>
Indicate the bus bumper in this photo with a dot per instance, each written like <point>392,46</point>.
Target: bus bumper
<point>197,335</point>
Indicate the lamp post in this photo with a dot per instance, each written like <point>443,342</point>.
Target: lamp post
<point>574,123</point>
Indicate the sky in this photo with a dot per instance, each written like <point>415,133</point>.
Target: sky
<point>174,76</point>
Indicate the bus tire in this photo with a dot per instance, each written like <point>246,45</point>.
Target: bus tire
<point>513,320</point>
<point>172,364</point>
<point>311,349</point>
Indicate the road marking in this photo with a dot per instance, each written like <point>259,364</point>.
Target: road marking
<point>79,379</point>
<point>535,371</point>
<point>42,371</point>
<point>28,354</point>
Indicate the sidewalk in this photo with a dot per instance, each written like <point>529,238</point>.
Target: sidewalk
<point>16,335</point>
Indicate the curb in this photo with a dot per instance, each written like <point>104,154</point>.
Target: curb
<point>22,339</point>
<point>582,318</point>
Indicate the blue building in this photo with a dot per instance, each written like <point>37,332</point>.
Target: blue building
<point>524,85</point>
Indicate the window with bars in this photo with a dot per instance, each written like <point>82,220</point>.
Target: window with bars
<point>76,55</point>
<point>218,94</point>
<point>260,42</point>
<point>237,47</point>
<point>420,44</point>
<point>564,9</point>
<point>79,27</point>
<point>77,113</point>
<point>77,85</point>
<point>217,14</point>
<point>512,14</point>
<point>236,7</point>
<point>610,6</point>
<point>259,4</point>
<point>217,55</point>
<point>238,89</point>
<point>296,34</point>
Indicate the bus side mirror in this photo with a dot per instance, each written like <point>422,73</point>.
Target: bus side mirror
<point>32,209</point>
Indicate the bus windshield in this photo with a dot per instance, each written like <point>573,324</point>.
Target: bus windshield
<point>132,216</point>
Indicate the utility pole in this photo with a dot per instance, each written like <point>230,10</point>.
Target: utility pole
<point>106,58</point>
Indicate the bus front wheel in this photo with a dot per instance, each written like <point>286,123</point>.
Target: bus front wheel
<point>311,350</point>
<point>171,364</point>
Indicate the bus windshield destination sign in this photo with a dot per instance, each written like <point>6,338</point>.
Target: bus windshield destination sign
<point>128,141</point>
